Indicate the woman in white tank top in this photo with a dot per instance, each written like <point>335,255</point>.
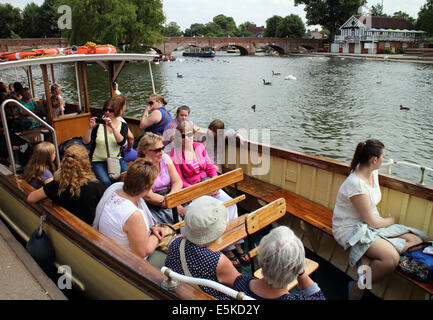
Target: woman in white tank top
<point>122,214</point>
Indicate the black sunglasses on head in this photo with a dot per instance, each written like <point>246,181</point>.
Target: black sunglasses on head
<point>109,110</point>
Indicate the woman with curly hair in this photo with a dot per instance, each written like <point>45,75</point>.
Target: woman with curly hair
<point>75,186</point>
<point>40,168</point>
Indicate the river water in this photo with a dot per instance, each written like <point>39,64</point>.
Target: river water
<point>332,105</point>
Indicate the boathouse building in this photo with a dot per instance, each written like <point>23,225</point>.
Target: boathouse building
<point>369,34</point>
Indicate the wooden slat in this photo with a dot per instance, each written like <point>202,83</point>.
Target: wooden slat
<point>193,192</point>
<point>236,229</point>
<point>310,267</point>
<point>181,224</point>
<point>264,216</point>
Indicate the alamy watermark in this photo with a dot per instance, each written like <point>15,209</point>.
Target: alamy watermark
<point>65,20</point>
<point>65,280</point>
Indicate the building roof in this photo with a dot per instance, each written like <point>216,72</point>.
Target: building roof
<point>256,30</point>
<point>385,22</point>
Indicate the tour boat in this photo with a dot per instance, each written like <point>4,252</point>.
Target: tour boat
<point>205,52</point>
<point>101,269</point>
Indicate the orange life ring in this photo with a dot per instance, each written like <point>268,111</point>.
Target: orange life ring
<point>77,50</point>
<point>49,51</point>
<point>18,55</point>
<point>104,50</point>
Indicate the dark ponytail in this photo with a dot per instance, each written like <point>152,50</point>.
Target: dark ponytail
<point>365,151</point>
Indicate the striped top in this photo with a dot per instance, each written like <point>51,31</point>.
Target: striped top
<point>100,153</point>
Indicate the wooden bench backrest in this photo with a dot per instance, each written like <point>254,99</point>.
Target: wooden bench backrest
<point>200,189</point>
<point>237,229</point>
<point>265,216</point>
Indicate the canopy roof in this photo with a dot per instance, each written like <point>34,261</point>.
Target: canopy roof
<point>89,58</point>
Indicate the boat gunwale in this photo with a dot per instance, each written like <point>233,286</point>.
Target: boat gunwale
<point>119,260</point>
<point>335,166</point>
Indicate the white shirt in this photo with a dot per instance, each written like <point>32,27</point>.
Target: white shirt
<point>114,213</point>
<point>346,217</point>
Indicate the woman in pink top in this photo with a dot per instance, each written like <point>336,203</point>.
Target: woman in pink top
<point>193,165</point>
<point>167,181</point>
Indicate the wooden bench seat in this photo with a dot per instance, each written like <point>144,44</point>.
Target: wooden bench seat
<point>308,211</point>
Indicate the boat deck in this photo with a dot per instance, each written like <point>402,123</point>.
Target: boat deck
<point>20,276</point>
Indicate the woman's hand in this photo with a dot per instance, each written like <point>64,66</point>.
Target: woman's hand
<point>181,211</point>
<point>214,193</point>
<point>108,122</point>
<point>159,232</point>
<point>92,123</point>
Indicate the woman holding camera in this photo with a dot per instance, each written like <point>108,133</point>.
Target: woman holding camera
<point>155,116</point>
<point>117,134</point>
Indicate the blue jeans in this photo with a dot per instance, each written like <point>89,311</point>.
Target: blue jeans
<point>100,170</point>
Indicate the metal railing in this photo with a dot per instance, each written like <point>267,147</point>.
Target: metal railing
<point>423,169</point>
<point>174,277</point>
<point>32,115</point>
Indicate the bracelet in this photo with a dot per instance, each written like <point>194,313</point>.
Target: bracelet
<point>302,273</point>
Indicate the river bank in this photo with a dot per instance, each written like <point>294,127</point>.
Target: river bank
<point>377,57</point>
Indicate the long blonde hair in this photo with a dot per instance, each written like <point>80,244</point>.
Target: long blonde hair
<point>75,170</point>
<point>41,159</point>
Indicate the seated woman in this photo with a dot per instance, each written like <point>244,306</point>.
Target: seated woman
<point>281,256</point>
<point>74,187</point>
<point>123,215</point>
<point>167,181</point>
<point>205,222</point>
<point>28,123</point>
<point>40,168</point>
<point>57,101</point>
<point>155,116</point>
<point>193,165</point>
<point>373,241</point>
<point>117,134</point>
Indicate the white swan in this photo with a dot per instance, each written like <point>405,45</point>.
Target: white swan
<point>116,89</point>
<point>290,77</point>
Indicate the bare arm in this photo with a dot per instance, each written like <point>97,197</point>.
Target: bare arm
<point>147,121</point>
<point>226,272</point>
<point>87,135</point>
<point>36,195</point>
<point>362,204</point>
<point>140,241</point>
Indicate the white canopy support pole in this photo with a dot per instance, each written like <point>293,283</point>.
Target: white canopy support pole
<point>78,86</point>
<point>205,282</point>
<point>151,77</point>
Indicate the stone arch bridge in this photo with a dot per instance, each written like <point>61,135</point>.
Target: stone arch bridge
<point>246,46</point>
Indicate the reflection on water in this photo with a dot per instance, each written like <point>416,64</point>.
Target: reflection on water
<point>333,104</point>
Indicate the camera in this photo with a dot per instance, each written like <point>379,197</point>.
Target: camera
<point>100,121</point>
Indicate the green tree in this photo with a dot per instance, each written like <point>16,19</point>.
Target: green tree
<point>243,28</point>
<point>196,30</point>
<point>330,14</point>
<point>31,21</point>
<point>10,20</point>
<point>116,22</point>
<point>172,30</point>
<point>48,17</point>
<point>404,15</point>
<point>227,25</point>
<point>425,18</point>
<point>377,11</point>
<point>272,25</point>
<point>291,26</point>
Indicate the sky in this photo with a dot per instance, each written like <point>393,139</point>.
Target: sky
<point>187,12</point>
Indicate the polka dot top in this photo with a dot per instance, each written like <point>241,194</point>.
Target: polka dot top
<point>201,262</point>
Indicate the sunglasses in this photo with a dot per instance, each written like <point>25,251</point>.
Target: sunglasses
<point>189,135</point>
<point>109,110</point>
<point>151,102</point>
<point>158,150</point>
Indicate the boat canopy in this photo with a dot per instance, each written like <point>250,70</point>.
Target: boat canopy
<point>88,58</point>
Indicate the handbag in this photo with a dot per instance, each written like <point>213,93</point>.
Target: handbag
<point>170,234</point>
<point>113,164</point>
<point>417,264</point>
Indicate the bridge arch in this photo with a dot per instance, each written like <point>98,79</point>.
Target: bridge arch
<point>277,48</point>
<point>243,51</point>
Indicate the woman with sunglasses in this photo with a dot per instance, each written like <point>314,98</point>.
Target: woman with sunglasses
<point>117,134</point>
<point>193,164</point>
<point>155,116</point>
<point>167,181</point>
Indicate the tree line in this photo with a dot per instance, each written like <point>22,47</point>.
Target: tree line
<point>131,23</point>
